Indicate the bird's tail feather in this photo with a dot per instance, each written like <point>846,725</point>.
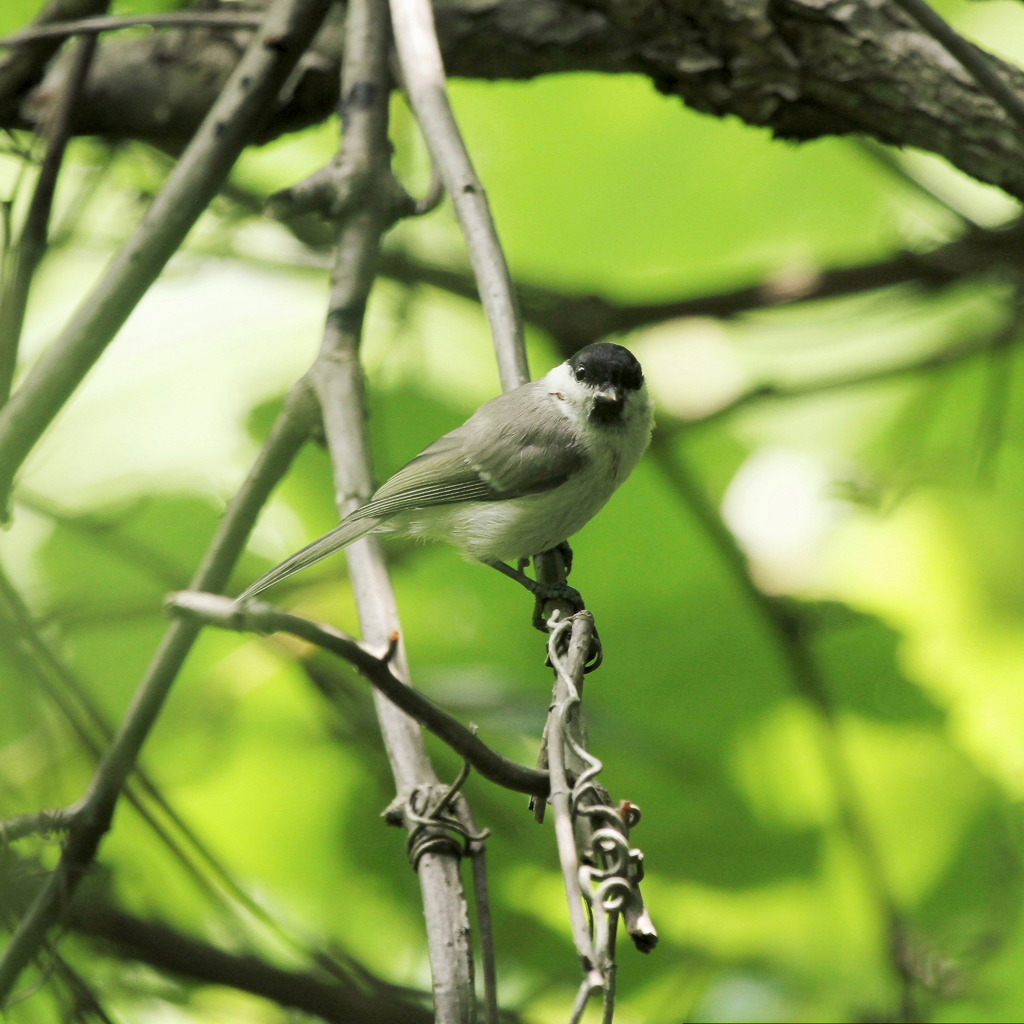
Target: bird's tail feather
<point>340,537</point>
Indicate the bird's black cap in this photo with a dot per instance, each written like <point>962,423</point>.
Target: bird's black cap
<point>604,364</point>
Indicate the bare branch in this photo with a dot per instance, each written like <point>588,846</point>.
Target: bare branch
<point>259,617</point>
<point>568,683</point>
<point>94,26</point>
<point>364,170</point>
<point>426,86</point>
<point>169,950</point>
<point>40,823</point>
<point>31,247</point>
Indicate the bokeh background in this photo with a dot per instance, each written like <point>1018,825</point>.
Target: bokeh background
<point>810,593</point>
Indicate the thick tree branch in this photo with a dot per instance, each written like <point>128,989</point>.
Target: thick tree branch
<point>802,68</point>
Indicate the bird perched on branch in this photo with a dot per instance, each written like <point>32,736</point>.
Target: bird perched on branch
<point>525,472</point>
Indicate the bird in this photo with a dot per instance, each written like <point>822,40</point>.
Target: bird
<point>524,473</point>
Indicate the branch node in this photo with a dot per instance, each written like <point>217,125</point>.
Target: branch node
<point>389,655</point>
<point>438,826</point>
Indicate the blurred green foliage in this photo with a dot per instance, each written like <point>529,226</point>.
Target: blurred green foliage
<point>792,838</point>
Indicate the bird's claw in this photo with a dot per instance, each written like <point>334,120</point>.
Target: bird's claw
<point>546,592</point>
<point>564,550</point>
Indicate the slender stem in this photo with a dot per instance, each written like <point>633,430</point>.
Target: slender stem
<point>39,823</point>
<point>566,703</point>
<point>485,925</point>
<point>94,814</point>
<point>231,123</point>
<point>94,26</point>
<point>31,248</point>
<point>263,618</point>
<point>423,73</point>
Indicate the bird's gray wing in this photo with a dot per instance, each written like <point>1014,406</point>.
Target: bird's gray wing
<point>516,444</point>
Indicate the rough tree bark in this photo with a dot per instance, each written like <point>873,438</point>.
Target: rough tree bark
<point>801,68</point>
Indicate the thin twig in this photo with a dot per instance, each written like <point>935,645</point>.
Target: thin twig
<point>426,86</point>
<point>97,809</point>
<point>23,261</point>
<point>94,26</point>
<point>22,69</point>
<point>231,123</point>
<point>485,926</point>
<point>39,823</point>
<point>784,630</point>
<point>258,617</point>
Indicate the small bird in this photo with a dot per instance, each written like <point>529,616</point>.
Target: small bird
<point>524,473</point>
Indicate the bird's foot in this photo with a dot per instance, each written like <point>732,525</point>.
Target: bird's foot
<point>544,592</point>
<point>565,550</point>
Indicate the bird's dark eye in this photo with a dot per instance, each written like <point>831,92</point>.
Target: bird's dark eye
<point>580,373</point>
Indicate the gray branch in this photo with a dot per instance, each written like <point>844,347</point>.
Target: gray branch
<point>364,180</point>
<point>260,617</point>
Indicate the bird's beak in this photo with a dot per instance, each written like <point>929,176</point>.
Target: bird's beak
<point>608,403</point>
